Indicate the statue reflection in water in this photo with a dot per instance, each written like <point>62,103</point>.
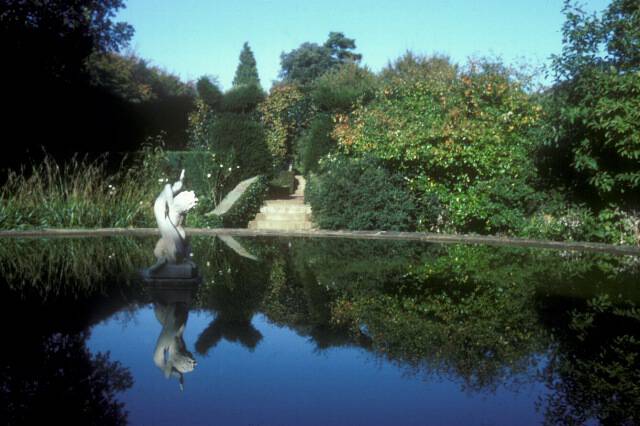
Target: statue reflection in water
<point>172,282</point>
<point>171,308</point>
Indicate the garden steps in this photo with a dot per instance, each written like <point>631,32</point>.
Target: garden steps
<point>286,214</point>
<point>281,225</point>
<point>277,216</point>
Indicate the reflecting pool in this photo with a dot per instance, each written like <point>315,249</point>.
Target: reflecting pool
<point>319,332</point>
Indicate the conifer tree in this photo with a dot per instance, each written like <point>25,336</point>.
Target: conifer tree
<point>247,71</point>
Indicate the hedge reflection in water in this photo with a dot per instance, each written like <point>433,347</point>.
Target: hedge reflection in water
<point>484,316</point>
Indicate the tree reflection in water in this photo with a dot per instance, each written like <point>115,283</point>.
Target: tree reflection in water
<point>233,288</point>
<point>47,371</point>
<point>485,317</point>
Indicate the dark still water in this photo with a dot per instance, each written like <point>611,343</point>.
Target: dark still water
<point>319,332</point>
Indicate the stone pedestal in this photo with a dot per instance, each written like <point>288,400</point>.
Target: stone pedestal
<point>169,274</point>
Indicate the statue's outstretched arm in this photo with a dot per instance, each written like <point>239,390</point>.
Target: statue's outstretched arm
<point>177,186</point>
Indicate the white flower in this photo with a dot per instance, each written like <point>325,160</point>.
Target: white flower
<point>208,175</point>
<point>229,168</point>
<point>160,180</point>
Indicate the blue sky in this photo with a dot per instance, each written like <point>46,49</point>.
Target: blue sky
<point>196,37</point>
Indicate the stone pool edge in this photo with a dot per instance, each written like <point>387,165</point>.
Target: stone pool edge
<point>317,233</point>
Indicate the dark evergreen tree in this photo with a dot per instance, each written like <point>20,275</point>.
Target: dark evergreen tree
<point>209,92</point>
<point>247,71</point>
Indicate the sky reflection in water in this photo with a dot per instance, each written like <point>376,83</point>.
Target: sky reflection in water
<point>288,380</point>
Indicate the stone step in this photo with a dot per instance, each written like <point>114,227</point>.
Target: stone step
<point>286,208</point>
<point>280,224</point>
<point>292,201</point>
<point>294,217</point>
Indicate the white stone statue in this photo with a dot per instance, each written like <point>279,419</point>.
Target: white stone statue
<point>170,209</point>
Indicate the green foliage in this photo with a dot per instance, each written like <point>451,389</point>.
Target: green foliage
<point>247,71</point>
<point>413,68</point>
<point>209,92</point>
<point>241,136</point>
<point>248,205</point>
<point>359,194</point>
<point>596,371</point>
<point>242,99</point>
<point>315,142</point>
<point>598,98</point>
<point>282,184</point>
<point>309,61</point>
<point>285,113</point>
<point>210,176</point>
<point>199,129</point>
<point>71,266</point>
<point>340,88</point>
<point>579,223</point>
<point>153,100</point>
<point>59,36</point>
<point>464,140</point>
<point>232,131</point>
<point>77,194</point>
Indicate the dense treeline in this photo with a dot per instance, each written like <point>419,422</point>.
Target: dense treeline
<point>425,144</point>
<point>68,90</point>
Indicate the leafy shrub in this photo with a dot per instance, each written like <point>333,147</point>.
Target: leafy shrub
<point>359,194</point>
<point>465,140</point>
<point>285,113</point>
<point>339,89</point>
<point>579,223</point>
<point>413,68</point>
<point>315,142</point>
<point>199,128</point>
<point>204,219</point>
<point>597,99</point>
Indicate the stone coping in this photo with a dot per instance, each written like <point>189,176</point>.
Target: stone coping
<point>318,233</point>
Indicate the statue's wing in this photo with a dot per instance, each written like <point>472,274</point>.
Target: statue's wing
<point>184,201</point>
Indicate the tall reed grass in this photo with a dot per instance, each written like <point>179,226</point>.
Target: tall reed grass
<point>78,193</point>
